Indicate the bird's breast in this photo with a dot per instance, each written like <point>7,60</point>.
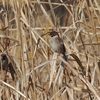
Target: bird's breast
<point>56,44</point>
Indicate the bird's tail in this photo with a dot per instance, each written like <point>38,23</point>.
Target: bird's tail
<point>65,57</point>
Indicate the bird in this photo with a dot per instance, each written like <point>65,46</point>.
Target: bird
<point>3,62</point>
<point>57,44</point>
<point>6,66</point>
<point>3,66</point>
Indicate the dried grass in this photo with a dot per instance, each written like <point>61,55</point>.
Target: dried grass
<point>38,74</point>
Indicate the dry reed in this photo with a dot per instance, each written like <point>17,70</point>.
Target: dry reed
<point>38,74</point>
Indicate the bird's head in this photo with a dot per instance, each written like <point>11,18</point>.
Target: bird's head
<point>53,33</point>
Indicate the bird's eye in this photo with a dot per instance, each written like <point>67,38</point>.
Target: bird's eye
<point>51,35</point>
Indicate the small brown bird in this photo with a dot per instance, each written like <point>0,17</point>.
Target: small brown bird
<point>3,62</point>
<point>3,66</point>
<point>57,44</point>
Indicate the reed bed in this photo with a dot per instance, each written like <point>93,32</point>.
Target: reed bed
<point>35,71</point>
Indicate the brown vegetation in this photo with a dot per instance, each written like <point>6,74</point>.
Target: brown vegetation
<point>34,71</point>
